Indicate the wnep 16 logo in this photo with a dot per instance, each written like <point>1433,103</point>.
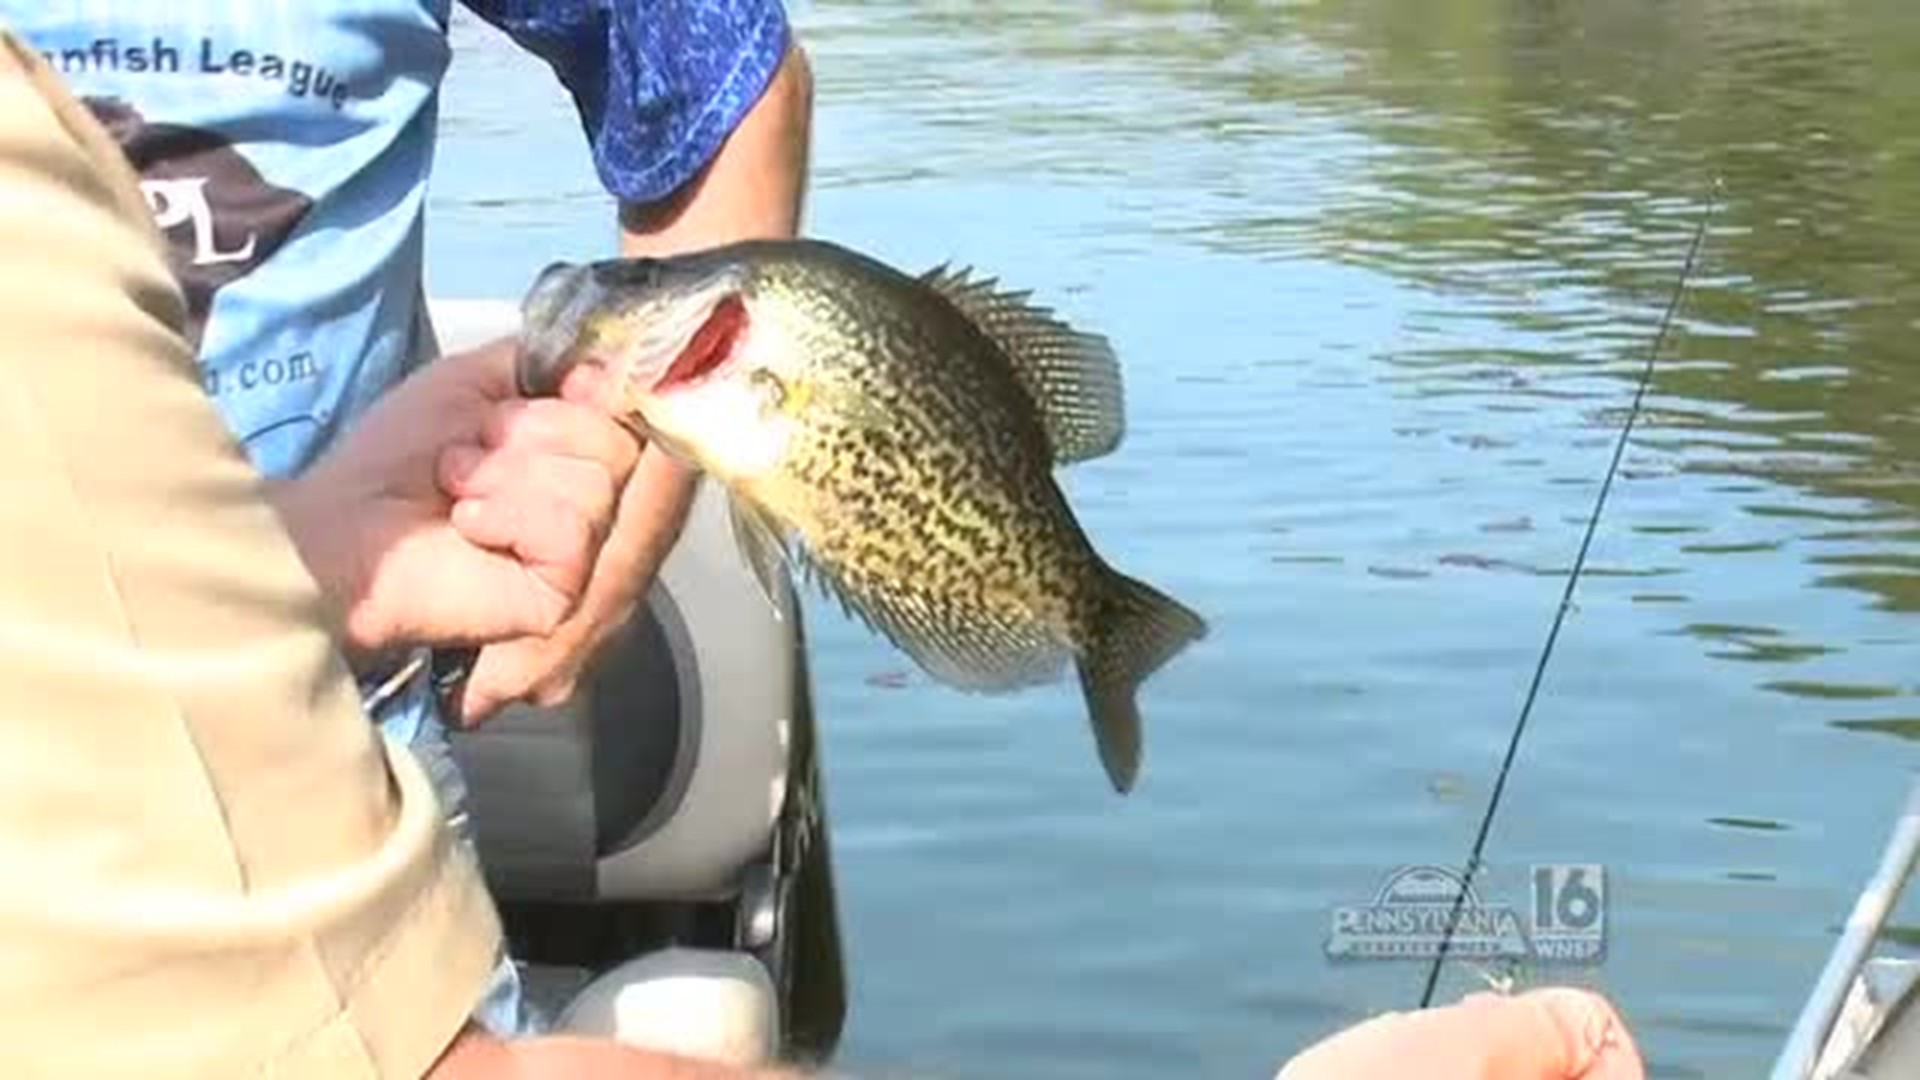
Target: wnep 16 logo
<point>1565,918</point>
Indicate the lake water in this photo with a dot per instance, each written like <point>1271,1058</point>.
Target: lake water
<point>1382,277</point>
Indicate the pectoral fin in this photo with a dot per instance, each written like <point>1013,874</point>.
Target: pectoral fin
<point>757,538</point>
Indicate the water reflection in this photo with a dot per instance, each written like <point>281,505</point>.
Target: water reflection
<point>1535,163</point>
<point>1532,171</point>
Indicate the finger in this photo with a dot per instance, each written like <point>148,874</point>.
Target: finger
<point>536,525</point>
<point>588,385</point>
<point>530,430</point>
<point>1556,1034</point>
<point>529,671</point>
<point>552,692</point>
<point>466,472</point>
<point>458,594</point>
<point>537,485</point>
<point>571,429</point>
<point>1596,1044</point>
<point>554,544</point>
<point>473,703</point>
<point>495,682</point>
<point>487,368</point>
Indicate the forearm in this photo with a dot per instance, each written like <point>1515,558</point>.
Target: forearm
<point>754,187</point>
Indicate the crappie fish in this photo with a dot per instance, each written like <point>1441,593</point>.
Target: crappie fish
<point>893,438</point>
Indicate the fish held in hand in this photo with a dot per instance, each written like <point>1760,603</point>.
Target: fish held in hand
<point>893,438</point>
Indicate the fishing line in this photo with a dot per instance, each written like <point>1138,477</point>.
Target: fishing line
<point>1566,597</point>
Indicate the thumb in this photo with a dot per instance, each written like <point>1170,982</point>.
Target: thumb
<point>1551,1034</point>
<point>1592,1040</point>
<point>485,370</point>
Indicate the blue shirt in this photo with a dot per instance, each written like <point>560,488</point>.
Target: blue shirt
<point>284,149</point>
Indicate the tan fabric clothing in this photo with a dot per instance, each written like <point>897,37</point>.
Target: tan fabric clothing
<point>210,866</point>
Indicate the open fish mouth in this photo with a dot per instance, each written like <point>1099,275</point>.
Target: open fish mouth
<point>705,351</point>
<point>670,337</point>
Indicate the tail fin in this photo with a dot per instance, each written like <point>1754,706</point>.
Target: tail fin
<point>1143,629</point>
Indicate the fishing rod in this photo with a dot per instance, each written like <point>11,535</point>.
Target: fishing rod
<point>1566,597</point>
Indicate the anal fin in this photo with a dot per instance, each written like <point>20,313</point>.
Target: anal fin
<point>964,650</point>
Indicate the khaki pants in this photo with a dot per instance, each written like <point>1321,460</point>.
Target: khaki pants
<point>210,866</point>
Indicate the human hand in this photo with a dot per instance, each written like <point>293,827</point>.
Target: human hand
<point>544,669</point>
<point>455,513</point>
<point>1554,1033</point>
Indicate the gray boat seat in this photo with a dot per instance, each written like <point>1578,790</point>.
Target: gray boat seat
<point>664,777</point>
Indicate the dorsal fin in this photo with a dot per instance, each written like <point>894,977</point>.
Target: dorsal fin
<point>1072,377</point>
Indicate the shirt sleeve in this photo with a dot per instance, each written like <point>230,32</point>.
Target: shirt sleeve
<point>659,84</point>
<point>213,864</point>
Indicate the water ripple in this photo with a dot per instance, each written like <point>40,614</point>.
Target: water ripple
<point>1382,276</point>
